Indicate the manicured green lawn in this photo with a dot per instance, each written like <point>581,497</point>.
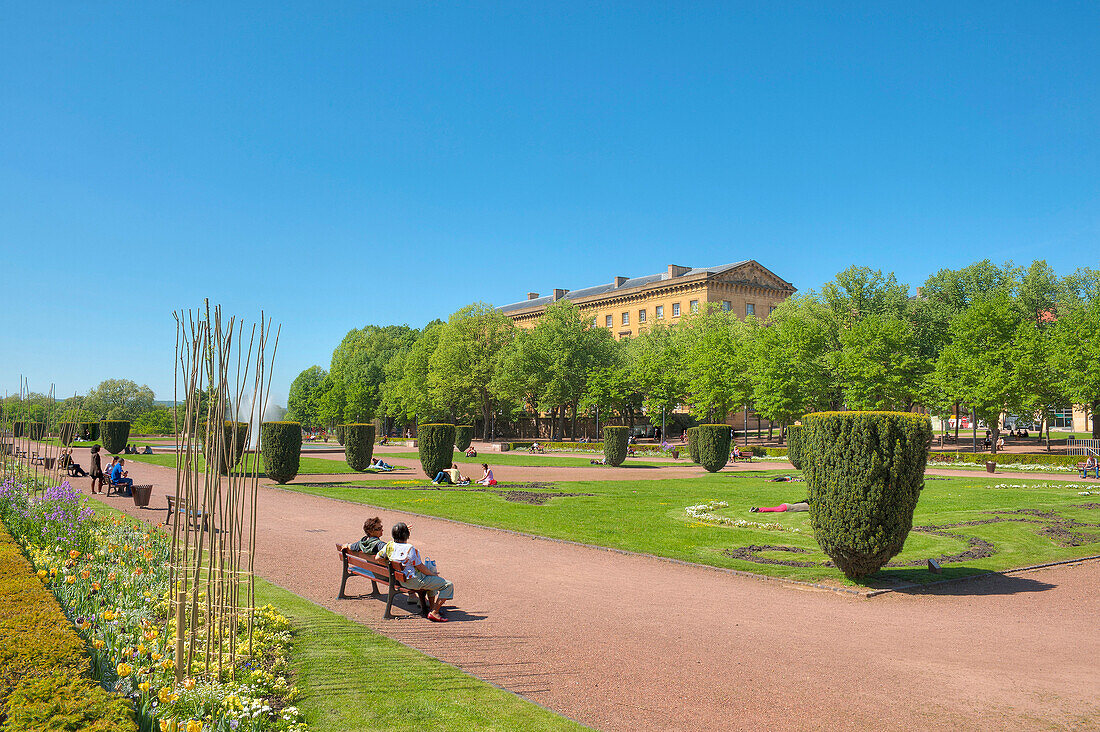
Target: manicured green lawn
<point>355,680</point>
<point>649,516</point>
<point>534,460</point>
<point>307,465</point>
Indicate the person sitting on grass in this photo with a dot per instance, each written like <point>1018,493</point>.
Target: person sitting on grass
<point>449,476</point>
<point>379,464</point>
<point>417,573</point>
<point>471,452</point>
<point>803,505</point>
<point>1091,464</point>
<point>147,451</point>
<point>118,477</point>
<point>371,543</point>
<point>488,478</point>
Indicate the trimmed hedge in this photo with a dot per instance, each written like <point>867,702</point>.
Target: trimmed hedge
<point>67,432</point>
<point>693,446</point>
<point>89,431</point>
<point>436,445</point>
<point>114,433</point>
<point>232,452</point>
<point>19,428</point>
<point>36,430</point>
<point>774,452</point>
<point>359,445</point>
<point>794,445</point>
<point>339,430</point>
<point>464,435</point>
<point>44,669</point>
<point>713,445</point>
<point>615,442</point>
<point>865,472</point>
<point>281,444</point>
<point>1021,458</point>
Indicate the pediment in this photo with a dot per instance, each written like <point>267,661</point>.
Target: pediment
<point>754,273</point>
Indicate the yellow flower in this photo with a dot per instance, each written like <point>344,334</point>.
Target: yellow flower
<point>144,686</point>
<point>194,726</point>
<point>74,554</point>
<point>95,586</point>
<point>111,577</point>
<point>151,634</point>
<point>156,656</point>
<point>163,695</point>
<point>123,670</point>
<point>147,595</point>
<point>85,574</point>
<point>98,643</point>
<point>189,684</point>
<point>163,724</point>
<point>69,579</point>
<point>141,649</point>
<point>41,574</point>
<point>108,615</point>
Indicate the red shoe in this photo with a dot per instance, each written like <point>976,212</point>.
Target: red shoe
<point>435,618</point>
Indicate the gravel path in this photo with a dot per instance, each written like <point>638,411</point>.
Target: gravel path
<point>625,642</point>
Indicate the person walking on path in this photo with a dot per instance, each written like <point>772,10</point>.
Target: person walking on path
<point>417,573</point>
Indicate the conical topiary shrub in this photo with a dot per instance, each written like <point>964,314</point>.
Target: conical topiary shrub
<point>865,472</point>
<point>235,437</point>
<point>436,445</point>
<point>89,431</point>
<point>67,432</point>
<point>358,445</point>
<point>464,435</point>
<point>615,441</point>
<point>36,430</point>
<point>339,430</point>
<point>693,446</point>
<point>19,428</point>
<point>113,434</point>
<point>794,445</point>
<point>281,443</point>
<point>712,445</point>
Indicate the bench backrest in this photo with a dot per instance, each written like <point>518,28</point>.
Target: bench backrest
<point>367,565</point>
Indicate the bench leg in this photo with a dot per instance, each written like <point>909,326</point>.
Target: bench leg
<point>343,584</point>
<point>389,600</point>
<point>373,587</point>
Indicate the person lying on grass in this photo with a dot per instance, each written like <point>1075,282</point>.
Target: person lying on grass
<point>418,573</point>
<point>379,464</point>
<point>803,505</point>
<point>371,543</point>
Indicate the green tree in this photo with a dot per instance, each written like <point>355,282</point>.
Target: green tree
<point>858,292</point>
<point>656,365</point>
<point>1075,356</point>
<point>466,355</point>
<point>302,400</point>
<point>879,365</point>
<point>119,399</point>
<point>359,367</point>
<point>717,350</point>
<point>520,371</point>
<point>1039,292</point>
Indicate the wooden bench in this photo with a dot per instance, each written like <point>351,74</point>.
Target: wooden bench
<point>111,485</point>
<point>377,570</point>
<point>742,458</point>
<point>1081,469</point>
<point>193,517</point>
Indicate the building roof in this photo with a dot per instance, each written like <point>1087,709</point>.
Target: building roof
<point>611,286</point>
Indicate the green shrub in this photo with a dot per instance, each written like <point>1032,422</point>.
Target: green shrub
<point>89,431</point>
<point>36,430</point>
<point>615,441</point>
<point>1020,458</point>
<point>114,433</point>
<point>436,444</point>
<point>232,449</point>
<point>281,443</point>
<point>464,435</point>
<point>359,445</point>
<point>19,428</point>
<point>339,433</point>
<point>44,668</point>
<point>775,451</point>
<point>794,445</point>
<point>693,446</point>
<point>713,445</point>
<point>67,432</point>
<point>865,472</point>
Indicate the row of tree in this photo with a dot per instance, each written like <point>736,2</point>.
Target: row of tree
<point>987,339</point>
<point>116,399</point>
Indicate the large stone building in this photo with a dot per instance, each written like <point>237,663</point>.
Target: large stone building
<point>627,306</point>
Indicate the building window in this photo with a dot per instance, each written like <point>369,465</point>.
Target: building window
<point>641,316</point>
<point>675,309</point>
<point>596,322</point>
<point>1063,418</point>
<point>750,309</point>
<point>727,305</point>
<point>772,310</point>
<point>694,306</point>
<point>626,318</point>
<point>660,312</point>
<point>610,322</point>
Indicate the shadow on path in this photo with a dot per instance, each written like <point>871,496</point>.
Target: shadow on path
<point>983,585</point>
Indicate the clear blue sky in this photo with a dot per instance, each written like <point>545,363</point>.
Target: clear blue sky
<point>392,162</point>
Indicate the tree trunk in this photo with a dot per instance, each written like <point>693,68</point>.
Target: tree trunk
<point>996,430</point>
<point>1094,413</point>
<point>782,433</point>
<point>1046,419</point>
<point>573,428</point>
<point>745,423</point>
<point>974,427</point>
<point>956,425</point>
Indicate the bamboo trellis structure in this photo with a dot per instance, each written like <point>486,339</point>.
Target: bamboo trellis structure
<point>214,532</point>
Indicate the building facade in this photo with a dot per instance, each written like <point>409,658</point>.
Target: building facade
<point>629,306</point>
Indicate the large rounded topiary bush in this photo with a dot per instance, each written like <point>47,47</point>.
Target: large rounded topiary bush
<point>113,434</point>
<point>436,445</point>
<point>89,431</point>
<point>615,441</point>
<point>358,445</point>
<point>693,446</point>
<point>67,432</point>
<point>712,445</point>
<point>281,443</point>
<point>235,440</point>
<point>794,445</point>
<point>464,435</point>
<point>865,472</point>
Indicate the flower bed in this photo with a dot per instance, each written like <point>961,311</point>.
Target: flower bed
<point>111,579</point>
<point>703,513</point>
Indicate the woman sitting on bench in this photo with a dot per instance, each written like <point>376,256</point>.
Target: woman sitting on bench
<point>371,543</point>
<point>417,573</point>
